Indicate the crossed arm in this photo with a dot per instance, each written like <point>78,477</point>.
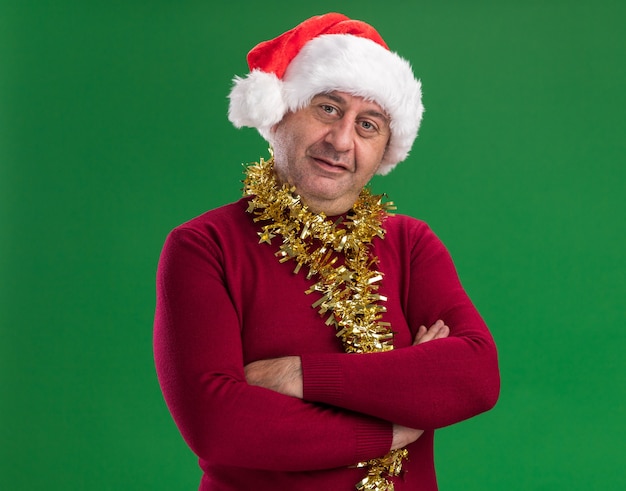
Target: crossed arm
<point>284,375</point>
<point>326,409</point>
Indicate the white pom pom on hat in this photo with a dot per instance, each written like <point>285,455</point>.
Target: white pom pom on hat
<point>322,54</point>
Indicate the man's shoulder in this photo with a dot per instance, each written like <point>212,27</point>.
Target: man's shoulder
<point>223,213</point>
<point>223,218</point>
<point>407,231</point>
<point>399,223</point>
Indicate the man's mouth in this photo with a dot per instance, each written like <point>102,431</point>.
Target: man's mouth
<point>331,164</point>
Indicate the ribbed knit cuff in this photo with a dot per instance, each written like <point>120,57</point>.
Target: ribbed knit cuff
<point>322,379</point>
<point>373,439</point>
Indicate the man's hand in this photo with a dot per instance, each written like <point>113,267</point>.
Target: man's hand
<point>402,436</point>
<point>438,330</point>
<point>282,375</point>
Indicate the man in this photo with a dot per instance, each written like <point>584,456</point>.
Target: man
<point>305,338</point>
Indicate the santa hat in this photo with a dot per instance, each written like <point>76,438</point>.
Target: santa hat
<point>322,54</point>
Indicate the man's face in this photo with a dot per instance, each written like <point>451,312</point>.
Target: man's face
<point>330,149</point>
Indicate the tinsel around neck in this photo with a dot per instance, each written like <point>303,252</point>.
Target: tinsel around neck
<point>348,288</point>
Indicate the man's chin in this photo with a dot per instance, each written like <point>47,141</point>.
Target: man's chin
<point>329,203</point>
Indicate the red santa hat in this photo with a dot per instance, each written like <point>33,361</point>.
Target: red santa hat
<point>322,54</point>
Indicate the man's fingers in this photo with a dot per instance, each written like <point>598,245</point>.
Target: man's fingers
<point>438,330</point>
<point>402,436</point>
<point>420,333</point>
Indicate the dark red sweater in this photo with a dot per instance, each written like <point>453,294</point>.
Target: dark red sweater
<point>224,300</point>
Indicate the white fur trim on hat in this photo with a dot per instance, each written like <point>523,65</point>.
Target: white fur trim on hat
<point>257,101</point>
<point>330,62</point>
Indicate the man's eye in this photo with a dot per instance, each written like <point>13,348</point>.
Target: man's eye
<point>327,109</point>
<point>367,125</point>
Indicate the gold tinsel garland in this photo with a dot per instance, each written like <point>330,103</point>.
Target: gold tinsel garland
<point>349,298</point>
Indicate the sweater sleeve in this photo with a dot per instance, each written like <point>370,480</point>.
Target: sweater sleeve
<point>199,362</point>
<point>433,384</point>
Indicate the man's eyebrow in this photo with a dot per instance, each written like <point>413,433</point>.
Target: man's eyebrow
<point>333,97</point>
<point>378,115</point>
<point>340,100</point>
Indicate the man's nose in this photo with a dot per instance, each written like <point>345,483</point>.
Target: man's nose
<point>341,134</point>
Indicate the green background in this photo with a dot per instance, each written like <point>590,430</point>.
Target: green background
<point>113,130</point>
